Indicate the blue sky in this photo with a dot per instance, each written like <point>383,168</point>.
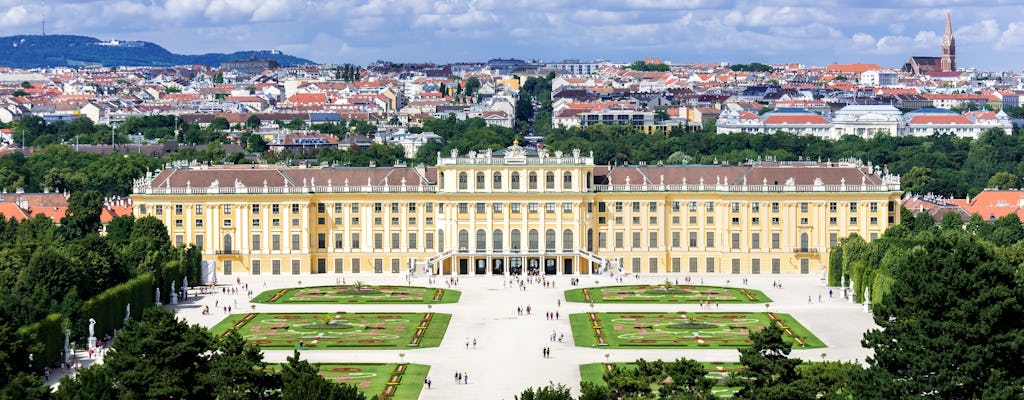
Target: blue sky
<point>989,33</point>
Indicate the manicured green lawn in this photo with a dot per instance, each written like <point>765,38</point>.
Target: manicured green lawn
<point>663,294</point>
<point>716,370</point>
<point>696,330</point>
<point>349,294</point>
<point>372,379</point>
<point>343,330</point>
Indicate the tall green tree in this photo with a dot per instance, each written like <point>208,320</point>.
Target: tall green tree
<point>160,358</point>
<point>769,373</point>
<point>237,371</point>
<point>955,327</point>
<point>300,382</point>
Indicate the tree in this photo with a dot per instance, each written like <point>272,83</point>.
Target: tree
<point>1004,181</point>
<point>160,358</point>
<point>768,371</point>
<point>300,382</point>
<point>918,180</point>
<point>934,344</point>
<point>218,78</point>
<point>220,124</point>
<point>679,379</point>
<point>92,383</point>
<point>253,122</point>
<point>237,371</point>
<point>83,214</point>
<point>549,392</point>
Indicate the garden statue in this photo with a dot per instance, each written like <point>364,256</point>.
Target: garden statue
<point>158,297</point>
<point>92,327</point>
<point>127,312</point>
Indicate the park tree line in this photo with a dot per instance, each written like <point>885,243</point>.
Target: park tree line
<point>161,357</point>
<point>53,272</point>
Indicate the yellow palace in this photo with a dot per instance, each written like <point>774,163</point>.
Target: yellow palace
<point>520,212</point>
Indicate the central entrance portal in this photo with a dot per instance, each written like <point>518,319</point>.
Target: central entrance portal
<point>497,266</point>
<point>515,266</point>
<point>533,266</point>
<point>481,267</point>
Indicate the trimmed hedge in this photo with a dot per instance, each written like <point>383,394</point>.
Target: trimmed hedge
<point>108,308</point>
<point>46,339</point>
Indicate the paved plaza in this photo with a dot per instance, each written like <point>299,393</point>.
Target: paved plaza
<point>508,356</point>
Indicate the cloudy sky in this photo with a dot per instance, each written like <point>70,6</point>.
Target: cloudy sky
<point>989,33</point>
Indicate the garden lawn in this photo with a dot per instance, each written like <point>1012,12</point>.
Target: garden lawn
<point>695,330</point>
<point>716,370</point>
<point>338,330</point>
<point>671,294</point>
<point>372,379</point>
<point>350,294</point>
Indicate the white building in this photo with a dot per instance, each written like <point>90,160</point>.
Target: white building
<point>879,78</point>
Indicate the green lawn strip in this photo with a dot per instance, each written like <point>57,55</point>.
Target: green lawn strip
<point>265,330</point>
<point>595,373</point>
<point>435,331</point>
<point>373,296</point>
<point>577,295</point>
<point>371,379</point>
<point>654,330</point>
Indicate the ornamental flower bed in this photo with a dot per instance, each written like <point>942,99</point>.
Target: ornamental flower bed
<point>338,330</point>
<point>351,294</point>
<point>666,293</point>
<point>697,329</point>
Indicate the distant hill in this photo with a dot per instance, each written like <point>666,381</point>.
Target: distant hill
<point>35,51</point>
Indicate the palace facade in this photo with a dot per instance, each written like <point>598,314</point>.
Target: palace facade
<point>518,212</point>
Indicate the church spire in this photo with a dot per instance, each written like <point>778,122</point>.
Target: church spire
<point>949,26</point>
<point>948,61</point>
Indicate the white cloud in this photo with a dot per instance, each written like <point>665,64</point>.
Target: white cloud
<point>14,16</point>
<point>1012,39</point>
<point>981,32</point>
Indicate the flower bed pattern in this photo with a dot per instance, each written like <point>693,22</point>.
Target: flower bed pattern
<point>342,330</point>
<point>682,330</point>
<point>375,379</point>
<point>662,294</point>
<point>348,294</point>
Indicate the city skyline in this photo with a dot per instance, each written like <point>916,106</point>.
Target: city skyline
<point>989,34</point>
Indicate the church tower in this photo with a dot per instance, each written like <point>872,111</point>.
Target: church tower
<point>948,62</point>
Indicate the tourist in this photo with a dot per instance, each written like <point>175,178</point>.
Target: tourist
<point>427,382</point>
<point>474,343</point>
<point>465,378</point>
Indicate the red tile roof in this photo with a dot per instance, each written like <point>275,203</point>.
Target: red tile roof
<point>796,119</point>
<point>940,119</point>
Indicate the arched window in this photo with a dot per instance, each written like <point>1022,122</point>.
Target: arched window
<point>480,181</point>
<point>534,239</point>
<point>549,240</point>
<point>481,240</point>
<point>463,181</point>
<point>440,240</point>
<point>515,181</point>
<point>549,180</point>
<point>516,240</point>
<point>589,179</point>
<point>463,240</point>
<point>440,181</point>
<point>227,244</point>
<point>533,181</point>
<point>590,240</point>
<point>567,243</point>
<point>497,240</point>
<point>497,181</point>
<point>804,241</point>
<point>567,180</point>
